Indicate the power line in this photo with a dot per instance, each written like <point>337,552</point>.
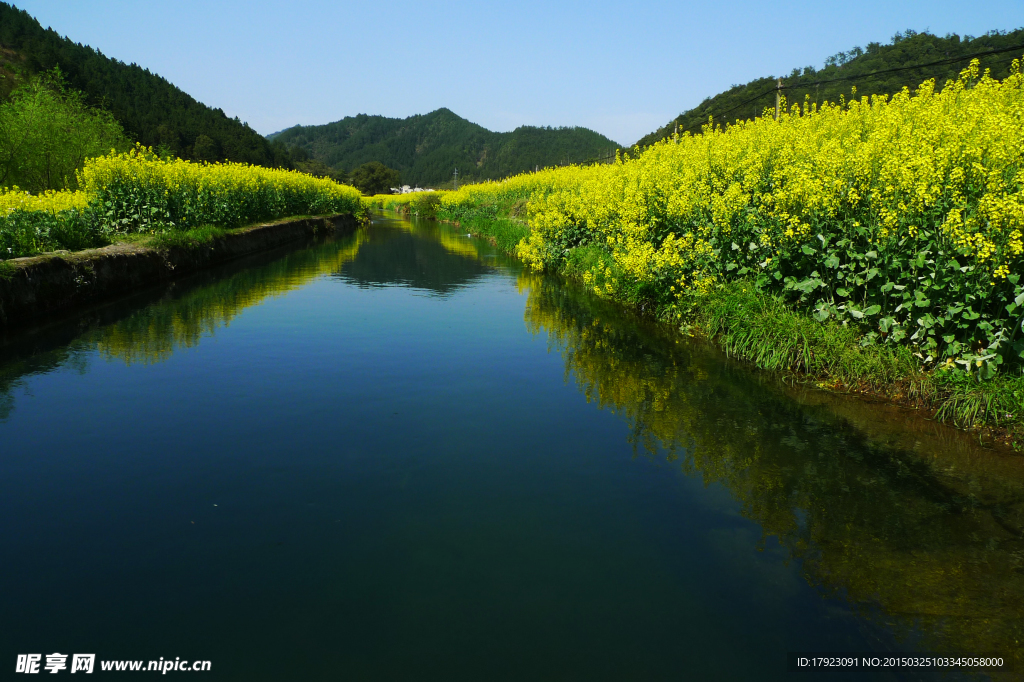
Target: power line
<point>800,86</point>
<point>941,62</point>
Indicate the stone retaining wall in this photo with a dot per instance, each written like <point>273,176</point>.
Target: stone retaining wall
<point>62,280</point>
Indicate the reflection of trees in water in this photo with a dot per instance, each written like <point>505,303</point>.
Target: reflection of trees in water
<point>398,253</point>
<point>33,361</point>
<point>185,314</point>
<point>931,539</point>
<point>421,255</point>
<point>155,332</point>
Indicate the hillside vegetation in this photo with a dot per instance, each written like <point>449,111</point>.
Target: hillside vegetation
<point>903,61</point>
<point>149,108</point>
<point>426,149</point>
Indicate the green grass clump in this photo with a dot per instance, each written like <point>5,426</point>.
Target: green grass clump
<point>587,259</point>
<point>970,403</point>
<point>505,232</point>
<point>194,238</point>
<point>422,204</point>
<point>758,326</point>
<point>425,204</point>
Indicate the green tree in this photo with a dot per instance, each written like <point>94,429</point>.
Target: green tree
<point>321,170</point>
<point>374,178</point>
<point>47,131</point>
<point>206,149</point>
<point>878,69</point>
<point>427,148</point>
<point>152,110</point>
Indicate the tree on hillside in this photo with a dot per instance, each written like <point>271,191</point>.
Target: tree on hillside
<point>322,170</point>
<point>205,149</point>
<point>878,69</point>
<point>47,131</point>
<point>149,108</point>
<point>427,148</point>
<point>374,178</point>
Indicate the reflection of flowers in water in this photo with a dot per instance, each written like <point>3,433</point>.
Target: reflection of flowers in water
<point>152,334</point>
<point>927,543</point>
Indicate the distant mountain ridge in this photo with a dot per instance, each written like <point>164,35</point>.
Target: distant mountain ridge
<point>427,148</point>
<point>858,67</point>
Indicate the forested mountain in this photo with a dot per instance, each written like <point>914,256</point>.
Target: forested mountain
<point>151,110</point>
<point>913,54</point>
<point>427,148</point>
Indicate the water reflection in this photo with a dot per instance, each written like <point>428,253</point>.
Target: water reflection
<point>178,315</point>
<point>910,521</point>
<point>153,325</point>
<point>425,256</point>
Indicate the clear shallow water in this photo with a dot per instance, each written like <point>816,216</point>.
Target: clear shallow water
<point>395,455</point>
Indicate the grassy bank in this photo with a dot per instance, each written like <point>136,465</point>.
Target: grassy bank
<point>137,193</point>
<point>754,325</point>
<point>873,245</point>
<point>504,224</point>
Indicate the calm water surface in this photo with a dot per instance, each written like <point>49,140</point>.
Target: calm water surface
<point>396,455</point>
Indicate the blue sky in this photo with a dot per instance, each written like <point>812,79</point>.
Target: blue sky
<point>621,68</point>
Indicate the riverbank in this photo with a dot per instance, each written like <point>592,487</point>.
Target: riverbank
<point>872,246</point>
<point>51,282</point>
<point>753,325</point>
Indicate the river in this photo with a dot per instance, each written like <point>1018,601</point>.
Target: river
<point>395,454</point>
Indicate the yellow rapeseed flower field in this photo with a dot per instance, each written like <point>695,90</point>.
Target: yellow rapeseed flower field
<point>141,190</point>
<point>137,191</point>
<point>14,199</point>
<point>902,215</point>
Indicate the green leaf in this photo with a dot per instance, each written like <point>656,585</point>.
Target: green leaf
<point>873,310</point>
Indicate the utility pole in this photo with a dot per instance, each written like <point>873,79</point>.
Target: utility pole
<point>456,178</point>
<point>778,97</point>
